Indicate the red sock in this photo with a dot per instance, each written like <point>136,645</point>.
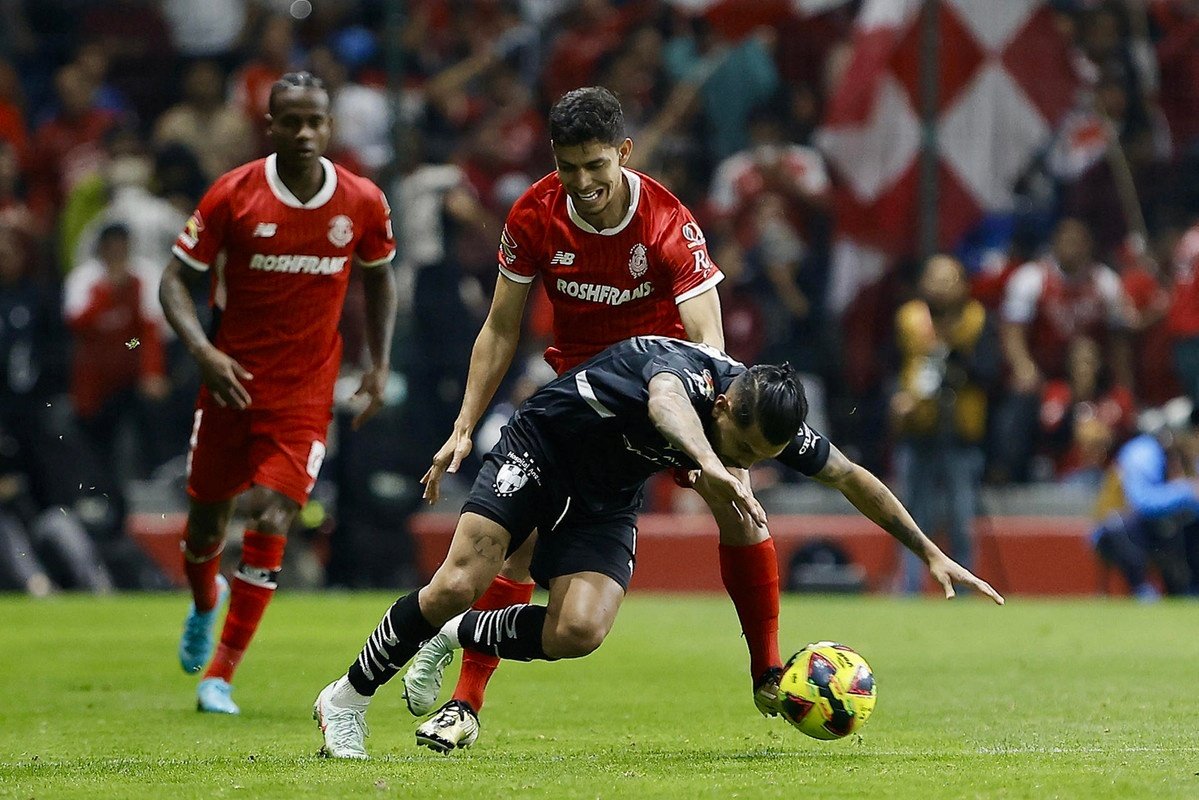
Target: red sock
<point>253,587</point>
<point>477,668</point>
<point>202,568</point>
<point>751,577</point>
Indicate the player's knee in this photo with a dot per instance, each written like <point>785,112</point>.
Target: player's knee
<point>454,589</point>
<point>271,512</point>
<point>573,638</point>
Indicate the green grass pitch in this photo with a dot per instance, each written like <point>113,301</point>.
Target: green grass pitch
<point>1036,700</point>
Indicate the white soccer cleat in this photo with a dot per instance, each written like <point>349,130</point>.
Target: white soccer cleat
<point>344,728</point>
<point>422,681</point>
<point>455,725</point>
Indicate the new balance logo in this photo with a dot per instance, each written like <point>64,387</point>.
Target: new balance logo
<point>563,258</point>
<point>265,230</point>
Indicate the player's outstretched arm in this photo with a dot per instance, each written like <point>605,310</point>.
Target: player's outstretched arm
<point>671,412</point>
<point>872,497</point>
<point>221,374</point>
<point>489,361</point>
<point>380,285</point>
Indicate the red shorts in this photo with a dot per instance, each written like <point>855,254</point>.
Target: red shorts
<point>279,448</point>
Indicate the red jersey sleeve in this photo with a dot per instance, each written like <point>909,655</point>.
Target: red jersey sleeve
<point>377,245</point>
<point>519,242</point>
<point>684,250</point>
<point>204,234</point>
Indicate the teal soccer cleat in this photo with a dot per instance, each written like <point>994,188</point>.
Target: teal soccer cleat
<point>195,645</point>
<point>214,696</point>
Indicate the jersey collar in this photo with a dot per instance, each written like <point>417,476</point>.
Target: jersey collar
<point>634,198</point>
<point>285,196</point>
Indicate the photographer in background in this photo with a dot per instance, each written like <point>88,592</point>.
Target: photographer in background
<point>949,361</point>
<point>1148,506</point>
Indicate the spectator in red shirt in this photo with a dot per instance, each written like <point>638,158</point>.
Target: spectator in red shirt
<point>1183,317</point>
<point>68,147</point>
<point>111,307</point>
<point>1084,416</point>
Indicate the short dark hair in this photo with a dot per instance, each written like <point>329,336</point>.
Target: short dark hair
<point>590,114</point>
<point>294,80</point>
<point>773,396</point>
<point>113,230</point>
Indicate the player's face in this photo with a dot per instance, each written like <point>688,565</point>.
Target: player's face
<point>591,174</point>
<point>737,446</point>
<point>300,126</point>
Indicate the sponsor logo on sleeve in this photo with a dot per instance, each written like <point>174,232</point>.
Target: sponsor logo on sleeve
<point>386,216</point>
<point>638,264</point>
<point>807,439</point>
<point>703,382</point>
<point>507,247</point>
<point>693,235</point>
<point>191,231</point>
<point>703,264</point>
<point>341,230</point>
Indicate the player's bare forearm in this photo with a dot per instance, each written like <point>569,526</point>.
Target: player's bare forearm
<point>180,309</point>
<point>876,502</point>
<point>672,414</point>
<point>701,319</point>
<point>493,350</point>
<point>380,285</point>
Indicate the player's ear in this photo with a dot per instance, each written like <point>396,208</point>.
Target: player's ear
<point>722,405</point>
<point>624,151</point>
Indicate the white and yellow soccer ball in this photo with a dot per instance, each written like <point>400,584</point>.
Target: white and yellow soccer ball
<point>827,691</point>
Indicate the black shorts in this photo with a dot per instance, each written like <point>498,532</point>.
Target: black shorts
<point>516,488</point>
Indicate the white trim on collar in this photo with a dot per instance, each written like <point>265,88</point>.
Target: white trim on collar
<point>634,199</point>
<point>285,196</point>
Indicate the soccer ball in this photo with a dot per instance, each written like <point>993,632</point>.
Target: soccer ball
<point>827,690</point>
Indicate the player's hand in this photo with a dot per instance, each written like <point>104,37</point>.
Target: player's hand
<point>373,383</point>
<point>448,459</point>
<point>947,572</point>
<point>223,376</point>
<point>720,485</point>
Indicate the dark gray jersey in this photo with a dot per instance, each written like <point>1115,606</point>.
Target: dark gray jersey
<point>594,419</point>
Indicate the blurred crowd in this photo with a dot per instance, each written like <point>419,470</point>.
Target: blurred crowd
<point>1029,353</point>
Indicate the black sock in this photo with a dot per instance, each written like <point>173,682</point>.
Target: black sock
<point>513,633</point>
<point>398,636</point>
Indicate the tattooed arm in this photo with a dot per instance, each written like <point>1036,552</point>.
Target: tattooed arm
<point>871,496</point>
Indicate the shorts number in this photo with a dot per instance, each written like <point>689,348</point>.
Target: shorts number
<point>316,457</point>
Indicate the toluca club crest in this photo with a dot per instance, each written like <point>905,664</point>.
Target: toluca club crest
<point>638,265</point>
<point>341,230</point>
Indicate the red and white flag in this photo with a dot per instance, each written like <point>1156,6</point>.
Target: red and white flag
<point>1007,77</point>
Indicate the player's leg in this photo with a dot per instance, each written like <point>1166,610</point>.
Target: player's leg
<point>285,450</point>
<point>749,570</point>
<point>474,559</point>
<point>217,470</point>
<point>580,614</point>
<point>513,586</point>
<point>254,584</point>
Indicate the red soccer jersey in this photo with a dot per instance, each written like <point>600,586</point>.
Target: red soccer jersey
<point>608,285</point>
<point>286,266</point>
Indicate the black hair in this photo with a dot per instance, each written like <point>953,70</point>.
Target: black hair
<point>773,396</point>
<point>294,80</point>
<point>590,114</point>
<point>113,230</point>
